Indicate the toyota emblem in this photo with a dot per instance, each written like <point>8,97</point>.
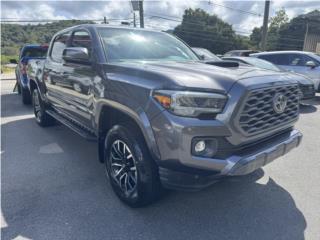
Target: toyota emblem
<point>279,103</point>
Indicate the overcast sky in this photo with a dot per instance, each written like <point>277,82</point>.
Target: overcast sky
<point>119,9</point>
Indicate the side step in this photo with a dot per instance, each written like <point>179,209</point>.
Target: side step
<point>73,126</point>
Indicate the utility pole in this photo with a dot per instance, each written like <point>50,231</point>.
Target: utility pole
<point>265,25</point>
<point>134,19</point>
<point>141,14</point>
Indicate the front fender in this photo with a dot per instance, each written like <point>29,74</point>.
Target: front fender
<point>138,115</point>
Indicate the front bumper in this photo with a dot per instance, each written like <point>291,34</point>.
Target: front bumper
<point>235,165</point>
<point>308,92</point>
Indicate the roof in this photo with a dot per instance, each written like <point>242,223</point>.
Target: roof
<point>237,57</point>
<point>107,26</point>
<point>241,50</point>
<point>279,52</point>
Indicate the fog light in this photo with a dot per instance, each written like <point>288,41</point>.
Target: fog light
<point>200,146</point>
<point>204,147</point>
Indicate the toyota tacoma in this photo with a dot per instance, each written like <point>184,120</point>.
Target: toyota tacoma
<point>162,118</point>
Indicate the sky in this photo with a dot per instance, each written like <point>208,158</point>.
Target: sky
<point>243,15</point>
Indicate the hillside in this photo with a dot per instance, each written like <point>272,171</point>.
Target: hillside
<point>13,36</point>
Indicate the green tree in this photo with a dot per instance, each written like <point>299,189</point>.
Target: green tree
<point>291,35</point>
<point>287,35</point>
<point>279,21</point>
<point>14,36</point>
<point>199,29</point>
<point>255,37</point>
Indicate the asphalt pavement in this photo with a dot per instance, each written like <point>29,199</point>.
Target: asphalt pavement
<point>53,187</point>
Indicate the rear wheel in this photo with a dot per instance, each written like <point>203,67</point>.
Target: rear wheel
<point>19,88</point>
<point>42,118</point>
<point>132,172</point>
<point>26,96</point>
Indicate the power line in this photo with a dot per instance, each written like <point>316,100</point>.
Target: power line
<point>167,17</point>
<point>57,20</point>
<point>235,9</point>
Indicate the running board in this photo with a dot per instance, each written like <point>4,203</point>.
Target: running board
<point>81,131</point>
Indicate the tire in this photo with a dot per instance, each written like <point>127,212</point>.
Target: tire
<point>19,88</point>
<point>42,118</point>
<point>26,96</point>
<point>138,183</point>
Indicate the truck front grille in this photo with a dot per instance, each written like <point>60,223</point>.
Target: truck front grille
<point>258,113</point>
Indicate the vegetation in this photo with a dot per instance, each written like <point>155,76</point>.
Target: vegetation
<point>287,35</point>
<point>14,36</point>
<point>199,29</point>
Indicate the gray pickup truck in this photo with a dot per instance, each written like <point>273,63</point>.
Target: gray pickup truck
<point>162,117</point>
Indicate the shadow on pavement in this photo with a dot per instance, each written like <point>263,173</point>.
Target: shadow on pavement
<point>53,187</point>
<point>315,101</point>
<point>305,108</point>
<point>16,106</point>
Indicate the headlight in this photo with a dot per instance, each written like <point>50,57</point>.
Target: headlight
<point>190,104</point>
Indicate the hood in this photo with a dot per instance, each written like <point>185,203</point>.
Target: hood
<point>302,79</point>
<point>186,75</point>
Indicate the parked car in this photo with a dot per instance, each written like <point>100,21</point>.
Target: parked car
<point>27,52</point>
<point>306,85</point>
<point>306,63</point>
<point>162,117</point>
<point>240,53</point>
<point>205,54</point>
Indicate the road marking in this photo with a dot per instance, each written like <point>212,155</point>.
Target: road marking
<point>52,148</point>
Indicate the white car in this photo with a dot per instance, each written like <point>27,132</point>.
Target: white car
<point>306,63</point>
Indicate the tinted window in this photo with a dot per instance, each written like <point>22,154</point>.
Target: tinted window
<point>59,44</point>
<point>315,58</point>
<point>297,60</point>
<point>206,54</point>
<point>82,39</point>
<point>271,58</point>
<point>139,45</point>
<point>261,63</point>
<point>34,52</point>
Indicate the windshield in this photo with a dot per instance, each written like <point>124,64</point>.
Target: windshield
<point>206,53</point>
<point>139,45</point>
<point>262,64</point>
<point>38,52</point>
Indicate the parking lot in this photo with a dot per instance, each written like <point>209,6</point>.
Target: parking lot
<point>53,187</point>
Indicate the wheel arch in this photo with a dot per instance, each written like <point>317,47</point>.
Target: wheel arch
<point>111,113</point>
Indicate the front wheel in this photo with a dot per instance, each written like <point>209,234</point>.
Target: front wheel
<point>132,172</point>
<point>42,118</point>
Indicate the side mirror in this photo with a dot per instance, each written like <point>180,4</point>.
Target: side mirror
<point>311,64</point>
<point>13,61</point>
<point>202,57</point>
<point>76,55</point>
